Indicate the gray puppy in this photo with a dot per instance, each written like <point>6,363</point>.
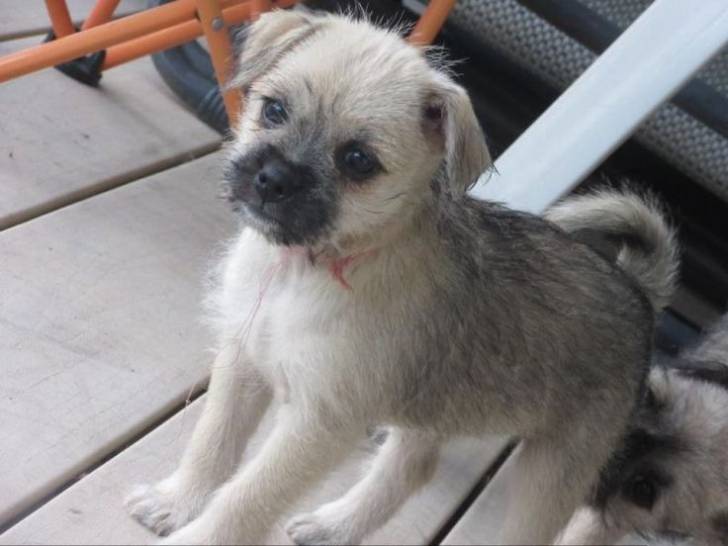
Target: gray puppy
<point>365,287</point>
<point>669,479</point>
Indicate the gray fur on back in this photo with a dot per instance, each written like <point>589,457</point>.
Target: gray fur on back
<point>654,261</point>
<point>524,303</point>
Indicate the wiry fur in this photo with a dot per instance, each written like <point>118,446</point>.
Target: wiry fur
<point>683,448</point>
<point>624,214</point>
<point>393,300</point>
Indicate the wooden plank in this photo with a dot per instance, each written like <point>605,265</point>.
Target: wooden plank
<point>61,141</point>
<point>91,511</point>
<point>99,330</point>
<point>481,523</point>
<point>20,18</point>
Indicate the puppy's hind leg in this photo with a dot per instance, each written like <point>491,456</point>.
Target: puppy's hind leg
<point>404,463</point>
<point>551,477</point>
<point>236,400</point>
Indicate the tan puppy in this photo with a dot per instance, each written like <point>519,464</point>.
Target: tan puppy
<point>366,288</point>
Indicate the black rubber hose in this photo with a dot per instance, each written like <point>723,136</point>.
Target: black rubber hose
<point>188,71</point>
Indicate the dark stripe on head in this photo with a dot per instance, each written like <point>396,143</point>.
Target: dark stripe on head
<point>638,445</point>
<point>293,44</point>
<point>715,373</point>
<point>267,60</point>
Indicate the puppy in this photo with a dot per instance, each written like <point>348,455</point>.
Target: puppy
<point>668,479</point>
<point>366,288</point>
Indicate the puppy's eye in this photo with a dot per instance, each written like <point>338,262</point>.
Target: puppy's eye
<point>273,112</point>
<point>641,491</point>
<point>356,162</point>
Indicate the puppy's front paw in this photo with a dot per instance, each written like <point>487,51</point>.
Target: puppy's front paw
<point>162,507</point>
<point>197,532</point>
<point>314,529</point>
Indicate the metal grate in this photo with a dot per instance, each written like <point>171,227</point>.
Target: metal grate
<point>517,32</point>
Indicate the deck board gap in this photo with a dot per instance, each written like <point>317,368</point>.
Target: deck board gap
<point>475,492</point>
<point>132,438</point>
<point>105,185</point>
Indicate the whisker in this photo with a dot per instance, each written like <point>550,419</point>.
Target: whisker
<point>395,196</point>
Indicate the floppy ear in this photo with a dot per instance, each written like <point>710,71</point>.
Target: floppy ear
<point>265,41</point>
<point>449,114</point>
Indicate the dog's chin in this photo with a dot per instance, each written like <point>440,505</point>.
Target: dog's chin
<point>272,225</point>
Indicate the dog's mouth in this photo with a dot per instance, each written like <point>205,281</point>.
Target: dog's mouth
<point>263,211</point>
<point>303,217</point>
<point>241,194</point>
<point>300,222</point>
<point>267,219</point>
<point>262,215</point>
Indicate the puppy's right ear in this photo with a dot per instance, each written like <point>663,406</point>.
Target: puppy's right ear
<point>449,116</point>
<point>266,40</point>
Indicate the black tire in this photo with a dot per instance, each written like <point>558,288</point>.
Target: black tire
<point>188,71</point>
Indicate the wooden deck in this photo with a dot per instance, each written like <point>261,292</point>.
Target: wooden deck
<point>108,222</point>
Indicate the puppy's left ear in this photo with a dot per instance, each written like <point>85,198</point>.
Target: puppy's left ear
<point>449,118</point>
<point>265,41</point>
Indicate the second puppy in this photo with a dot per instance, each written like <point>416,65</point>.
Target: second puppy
<point>668,478</point>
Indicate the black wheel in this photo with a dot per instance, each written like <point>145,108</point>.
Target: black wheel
<point>188,71</point>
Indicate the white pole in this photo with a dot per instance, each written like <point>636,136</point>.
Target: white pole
<point>645,66</point>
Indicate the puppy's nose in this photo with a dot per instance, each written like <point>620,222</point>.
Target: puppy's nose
<point>276,181</point>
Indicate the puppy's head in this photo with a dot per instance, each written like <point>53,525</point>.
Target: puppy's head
<point>347,131</point>
<point>671,477</point>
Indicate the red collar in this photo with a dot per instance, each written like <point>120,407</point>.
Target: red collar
<point>338,266</point>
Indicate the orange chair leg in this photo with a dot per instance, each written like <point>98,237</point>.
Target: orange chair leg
<point>163,27</point>
<point>175,35</point>
<point>151,43</point>
<point>60,18</point>
<point>431,21</point>
<point>95,39</point>
<point>102,13</point>
<point>260,6</point>
<point>221,52</point>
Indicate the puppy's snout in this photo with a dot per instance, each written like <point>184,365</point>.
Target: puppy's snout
<point>276,181</point>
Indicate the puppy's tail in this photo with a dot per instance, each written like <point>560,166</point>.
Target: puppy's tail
<point>648,246</point>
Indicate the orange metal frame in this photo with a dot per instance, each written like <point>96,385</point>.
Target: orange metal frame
<point>163,27</point>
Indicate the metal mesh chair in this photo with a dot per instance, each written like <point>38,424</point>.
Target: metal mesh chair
<point>557,41</point>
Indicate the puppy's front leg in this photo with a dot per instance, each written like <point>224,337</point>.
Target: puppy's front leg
<point>298,452</point>
<point>404,463</point>
<point>236,400</point>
